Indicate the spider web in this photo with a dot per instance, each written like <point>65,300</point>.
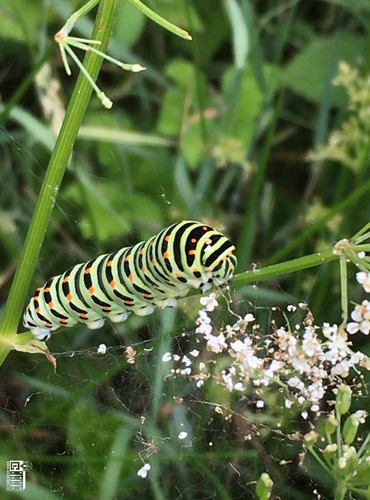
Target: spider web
<point>114,420</point>
<point>99,413</point>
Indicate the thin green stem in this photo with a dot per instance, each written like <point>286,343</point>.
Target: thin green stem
<point>365,446</point>
<point>71,21</point>
<point>340,492</point>
<point>338,434</point>
<point>356,238</point>
<point>321,462</point>
<point>53,178</point>
<point>160,20</point>
<point>290,266</point>
<point>344,289</point>
<point>361,248</point>
<point>72,41</point>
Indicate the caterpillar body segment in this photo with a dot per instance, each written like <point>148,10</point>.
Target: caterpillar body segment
<point>152,273</point>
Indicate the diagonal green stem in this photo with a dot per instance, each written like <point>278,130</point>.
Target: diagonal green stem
<point>287,267</point>
<point>160,20</point>
<point>53,178</point>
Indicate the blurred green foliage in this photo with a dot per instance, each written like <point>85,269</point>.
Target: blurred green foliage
<point>187,138</point>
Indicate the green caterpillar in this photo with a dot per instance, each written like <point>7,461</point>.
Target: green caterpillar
<point>134,279</point>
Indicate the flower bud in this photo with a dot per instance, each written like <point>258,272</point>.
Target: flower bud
<point>349,461</point>
<point>331,425</point>
<point>343,399</point>
<point>350,428</point>
<point>310,439</point>
<point>264,487</point>
<point>330,450</point>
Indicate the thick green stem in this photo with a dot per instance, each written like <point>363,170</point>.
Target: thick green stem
<point>53,178</point>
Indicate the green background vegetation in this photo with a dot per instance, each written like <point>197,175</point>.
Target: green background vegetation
<point>220,130</point>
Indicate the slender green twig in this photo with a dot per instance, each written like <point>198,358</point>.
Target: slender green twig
<point>344,289</point>
<point>159,20</point>
<point>284,267</point>
<point>52,181</point>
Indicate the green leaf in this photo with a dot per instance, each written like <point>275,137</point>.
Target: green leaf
<point>20,20</point>
<point>239,32</point>
<point>245,99</point>
<point>307,74</point>
<point>192,144</point>
<point>180,100</point>
<point>129,25</point>
<point>110,210</point>
<point>178,13</point>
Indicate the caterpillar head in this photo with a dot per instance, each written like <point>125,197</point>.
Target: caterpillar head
<point>219,259</point>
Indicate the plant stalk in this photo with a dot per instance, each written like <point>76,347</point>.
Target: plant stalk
<point>53,178</point>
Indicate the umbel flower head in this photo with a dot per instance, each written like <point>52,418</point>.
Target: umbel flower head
<point>307,359</point>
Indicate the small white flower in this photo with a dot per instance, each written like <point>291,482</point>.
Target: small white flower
<point>329,330</point>
<point>260,403</point>
<point>361,415</point>
<point>361,311</point>
<point>182,435</point>
<point>352,327</point>
<point>316,391</point>
<point>362,326</point>
<point>186,360</point>
<point>216,344</point>
<point>229,331</point>
<point>239,386</point>
<point>242,323</point>
<point>291,308</point>
<point>204,322</point>
<point>210,302</point>
<point>143,472</point>
<point>167,356</point>
<point>102,349</point>
<point>357,358</point>
<point>310,344</point>
<point>364,280</point>
<point>341,369</point>
<point>295,382</point>
<point>195,353</point>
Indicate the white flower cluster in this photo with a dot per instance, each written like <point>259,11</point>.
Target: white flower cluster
<point>361,312</point>
<point>305,360</point>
